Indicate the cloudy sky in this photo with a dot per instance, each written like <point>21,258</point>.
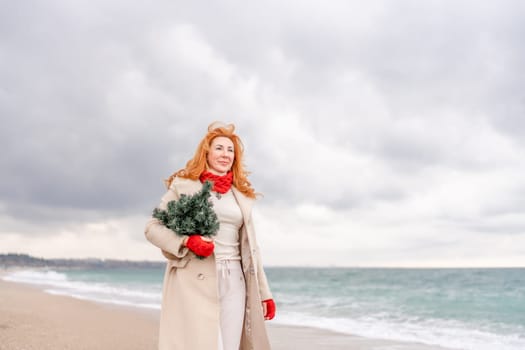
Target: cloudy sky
<point>381,133</point>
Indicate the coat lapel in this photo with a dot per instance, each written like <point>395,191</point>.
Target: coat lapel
<point>245,203</point>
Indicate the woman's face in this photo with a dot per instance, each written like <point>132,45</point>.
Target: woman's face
<point>221,155</point>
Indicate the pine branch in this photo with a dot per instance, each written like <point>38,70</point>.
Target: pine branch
<point>191,214</point>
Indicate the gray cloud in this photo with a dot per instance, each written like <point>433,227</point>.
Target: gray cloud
<point>100,101</point>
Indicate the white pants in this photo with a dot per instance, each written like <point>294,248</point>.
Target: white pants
<point>232,296</point>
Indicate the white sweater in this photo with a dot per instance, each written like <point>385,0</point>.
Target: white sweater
<point>230,219</point>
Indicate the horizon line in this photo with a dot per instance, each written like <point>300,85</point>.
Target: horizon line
<point>290,266</point>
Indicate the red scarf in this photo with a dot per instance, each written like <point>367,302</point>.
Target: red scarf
<point>221,184</point>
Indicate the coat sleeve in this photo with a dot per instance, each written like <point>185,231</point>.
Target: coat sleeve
<point>264,287</point>
<point>170,243</point>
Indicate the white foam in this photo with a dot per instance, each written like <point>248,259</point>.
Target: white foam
<point>36,277</point>
<point>140,296</point>
<point>449,334</point>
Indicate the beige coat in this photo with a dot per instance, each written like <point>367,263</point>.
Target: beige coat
<point>190,309</point>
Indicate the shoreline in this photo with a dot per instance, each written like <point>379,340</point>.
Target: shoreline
<point>31,318</point>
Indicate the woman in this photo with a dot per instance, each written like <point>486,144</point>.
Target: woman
<point>219,302</point>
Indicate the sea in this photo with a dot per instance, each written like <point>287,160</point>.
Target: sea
<point>469,309</point>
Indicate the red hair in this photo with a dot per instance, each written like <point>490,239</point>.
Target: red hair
<point>197,165</point>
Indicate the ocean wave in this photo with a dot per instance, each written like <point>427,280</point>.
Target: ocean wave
<point>446,333</point>
<point>363,314</point>
<point>35,277</point>
<point>145,296</point>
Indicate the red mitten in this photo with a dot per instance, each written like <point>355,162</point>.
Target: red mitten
<point>270,309</point>
<point>200,247</point>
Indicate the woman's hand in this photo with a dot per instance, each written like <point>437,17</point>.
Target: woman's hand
<point>268,309</point>
<point>201,246</point>
<point>206,239</point>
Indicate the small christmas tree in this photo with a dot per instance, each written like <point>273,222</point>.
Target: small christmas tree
<point>190,215</point>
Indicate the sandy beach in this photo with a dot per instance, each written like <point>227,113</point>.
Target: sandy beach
<point>32,319</point>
